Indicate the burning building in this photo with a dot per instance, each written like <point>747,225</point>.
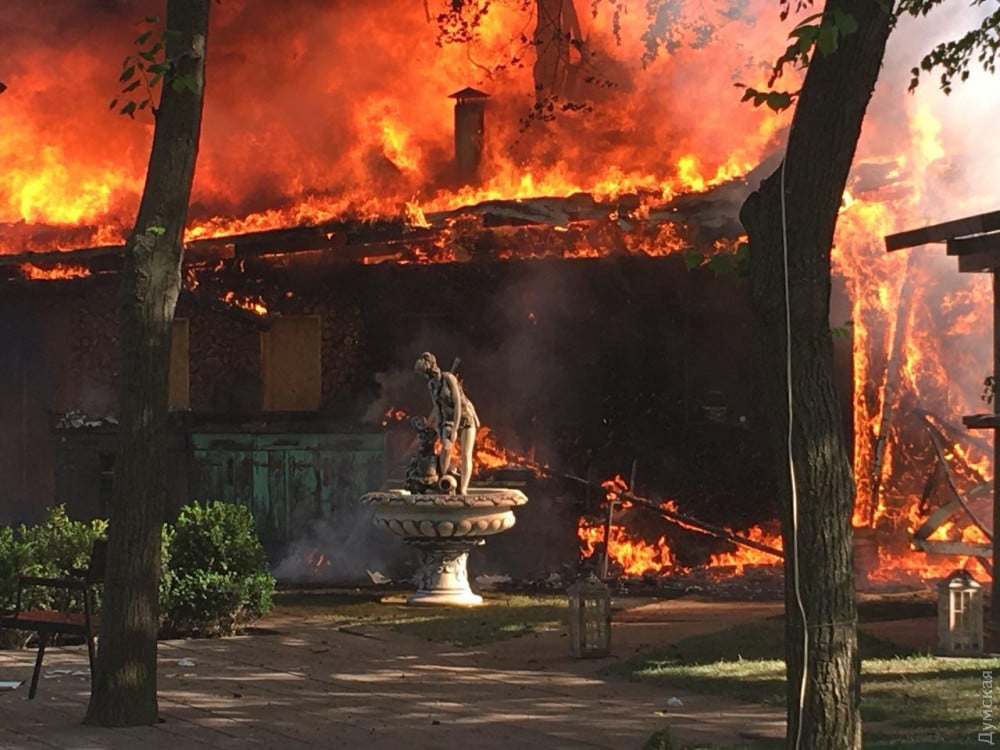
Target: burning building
<point>517,184</point>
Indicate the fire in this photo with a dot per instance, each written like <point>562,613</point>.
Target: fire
<point>634,556</point>
<point>251,304</point>
<point>357,124</point>
<point>394,415</point>
<point>744,556</point>
<point>639,557</point>
<point>57,271</point>
<point>358,121</point>
<point>315,561</point>
<point>918,341</point>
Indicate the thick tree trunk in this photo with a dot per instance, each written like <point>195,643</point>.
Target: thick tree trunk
<point>125,686</point>
<point>821,145</point>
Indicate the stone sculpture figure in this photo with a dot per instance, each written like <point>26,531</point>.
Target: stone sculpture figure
<point>422,473</point>
<point>455,418</point>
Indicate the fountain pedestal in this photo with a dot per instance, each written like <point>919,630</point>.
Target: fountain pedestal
<point>445,528</point>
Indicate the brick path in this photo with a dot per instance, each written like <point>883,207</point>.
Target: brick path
<point>308,684</point>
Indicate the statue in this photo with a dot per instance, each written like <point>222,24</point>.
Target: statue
<point>437,512</point>
<point>456,421</point>
<point>422,473</point>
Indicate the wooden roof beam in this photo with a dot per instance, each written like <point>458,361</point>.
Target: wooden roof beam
<point>949,230</point>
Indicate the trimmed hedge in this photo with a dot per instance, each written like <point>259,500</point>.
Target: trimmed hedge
<point>215,580</point>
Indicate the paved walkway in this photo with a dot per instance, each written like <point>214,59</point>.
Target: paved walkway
<point>311,685</point>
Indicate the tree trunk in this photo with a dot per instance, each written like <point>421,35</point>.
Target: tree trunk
<point>821,145</point>
<point>125,685</point>
<point>557,26</point>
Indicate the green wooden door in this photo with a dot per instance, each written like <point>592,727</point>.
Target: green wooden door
<point>287,480</point>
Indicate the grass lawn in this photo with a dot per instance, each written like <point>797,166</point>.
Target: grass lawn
<point>907,699</point>
<point>501,616</point>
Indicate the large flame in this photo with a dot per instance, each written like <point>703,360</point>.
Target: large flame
<point>322,112</point>
<point>345,111</point>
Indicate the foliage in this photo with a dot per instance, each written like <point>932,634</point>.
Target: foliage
<point>13,557</point>
<point>143,71</point>
<point>821,32</point>
<point>54,548</point>
<point>59,546</point>
<point>721,264</point>
<point>215,580</point>
<point>954,57</point>
<point>844,331</point>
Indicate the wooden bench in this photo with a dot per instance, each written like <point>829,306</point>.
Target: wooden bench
<point>49,623</point>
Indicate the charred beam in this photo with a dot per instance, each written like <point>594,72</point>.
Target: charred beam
<point>985,243</point>
<point>693,524</point>
<point>981,224</point>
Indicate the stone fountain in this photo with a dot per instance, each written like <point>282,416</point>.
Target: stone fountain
<point>437,512</point>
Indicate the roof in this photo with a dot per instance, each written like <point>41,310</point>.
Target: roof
<point>469,93</point>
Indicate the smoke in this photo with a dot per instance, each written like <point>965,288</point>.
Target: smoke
<point>345,549</point>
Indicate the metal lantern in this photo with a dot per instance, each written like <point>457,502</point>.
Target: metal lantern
<point>960,614</point>
<point>589,618</point>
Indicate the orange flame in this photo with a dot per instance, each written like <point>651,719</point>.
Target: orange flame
<point>58,271</point>
<point>252,304</point>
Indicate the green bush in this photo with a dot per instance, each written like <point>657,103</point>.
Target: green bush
<point>215,580</point>
<point>54,549</point>
<point>58,546</point>
<point>13,559</point>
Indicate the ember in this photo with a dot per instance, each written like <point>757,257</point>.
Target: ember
<point>254,305</point>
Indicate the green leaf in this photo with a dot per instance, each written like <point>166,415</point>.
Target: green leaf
<point>148,56</point>
<point>723,265</point>
<point>155,80</point>
<point>114,103</point>
<point>132,86</point>
<point>156,231</point>
<point>128,109</point>
<point>779,100</point>
<point>805,32</point>
<point>826,42</point>
<point>186,82</point>
<point>693,259</point>
<point>143,37</point>
<point>127,73</point>
<point>844,22</point>
<point>152,19</point>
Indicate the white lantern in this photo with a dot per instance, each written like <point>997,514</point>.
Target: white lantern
<point>589,618</point>
<point>960,615</point>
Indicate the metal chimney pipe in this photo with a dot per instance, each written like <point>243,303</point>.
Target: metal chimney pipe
<point>470,107</point>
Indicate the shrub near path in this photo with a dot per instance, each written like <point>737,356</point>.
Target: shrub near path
<point>215,579</point>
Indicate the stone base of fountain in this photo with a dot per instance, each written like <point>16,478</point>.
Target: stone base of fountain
<point>445,528</point>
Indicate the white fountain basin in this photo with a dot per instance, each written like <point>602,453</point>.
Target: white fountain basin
<point>445,527</point>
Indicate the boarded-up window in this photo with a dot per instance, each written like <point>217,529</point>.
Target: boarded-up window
<point>290,364</point>
<point>180,371</point>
